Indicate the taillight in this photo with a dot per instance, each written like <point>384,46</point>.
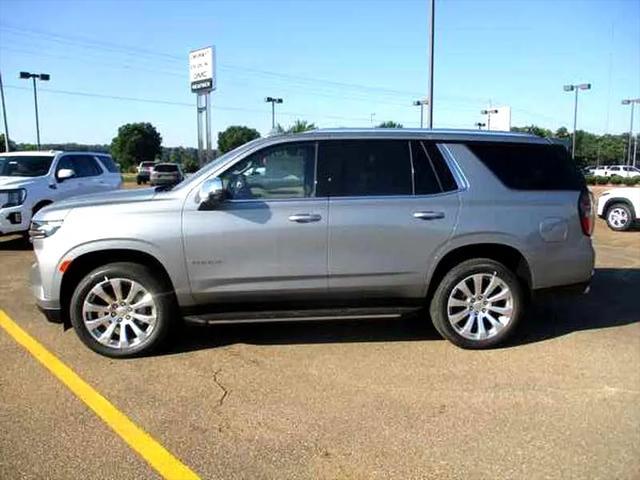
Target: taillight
<point>587,212</point>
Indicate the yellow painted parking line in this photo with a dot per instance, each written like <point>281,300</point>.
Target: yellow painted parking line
<point>155,454</point>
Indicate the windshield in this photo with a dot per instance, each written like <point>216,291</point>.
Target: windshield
<point>25,166</point>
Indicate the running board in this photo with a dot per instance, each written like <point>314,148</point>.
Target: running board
<point>299,315</point>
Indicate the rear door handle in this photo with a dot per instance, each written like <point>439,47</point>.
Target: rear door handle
<point>305,217</point>
<point>428,215</point>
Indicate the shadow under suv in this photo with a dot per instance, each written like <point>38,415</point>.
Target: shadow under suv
<point>461,226</point>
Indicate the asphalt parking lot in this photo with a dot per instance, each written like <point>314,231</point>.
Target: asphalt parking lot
<point>350,400</point>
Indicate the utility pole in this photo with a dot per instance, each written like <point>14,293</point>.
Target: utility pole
<point>421,104</point>
<point>4,115</point>
<point>273,102</point>
<point>45,77</point>
<point>371,118</point>
<point>432,18</point>
<point>632,102</point>
<point>488,113</point>
<point>575,88</point>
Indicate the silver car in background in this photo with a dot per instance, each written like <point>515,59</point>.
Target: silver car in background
<point>166,174</point>
<point>460,227</point>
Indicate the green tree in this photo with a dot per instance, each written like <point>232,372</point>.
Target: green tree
<point>235,136</point>
<point>562,132</point>
<point>301,126</point>
<point>136,142</point>
<point>390,124</point>
<point>12,145</point>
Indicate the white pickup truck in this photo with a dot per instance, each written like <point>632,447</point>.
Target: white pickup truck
<point>624,171</point>
<point>30,181</point>
<point>620,207</point>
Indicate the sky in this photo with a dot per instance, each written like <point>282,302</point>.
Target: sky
<point>336,63</point>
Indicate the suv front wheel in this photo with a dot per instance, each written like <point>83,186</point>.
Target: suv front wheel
<point>477,304</point>
<point>121,310</point>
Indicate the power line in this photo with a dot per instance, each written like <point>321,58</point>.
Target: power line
<point>181,104</point>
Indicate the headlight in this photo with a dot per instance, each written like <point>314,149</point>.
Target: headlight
<point>44,228</point>
<point>14,197</point>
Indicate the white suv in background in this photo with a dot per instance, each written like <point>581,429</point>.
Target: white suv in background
<point>619,170</point>
<point>620,207</point>
<point>32,180</point>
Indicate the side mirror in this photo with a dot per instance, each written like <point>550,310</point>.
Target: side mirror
<point>211,192</point>
<point>65,174</point>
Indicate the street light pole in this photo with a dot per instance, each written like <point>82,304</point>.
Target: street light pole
<point>33,76</point>
<point>4,115</point>
<point>571,88</point>
<point>273,101</point>
<point>421,104</point>
<point>431,45</point>
<point>632,102</point>
<point>480,125</point>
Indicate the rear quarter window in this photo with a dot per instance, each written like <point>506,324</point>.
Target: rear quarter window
<point>523,166</point>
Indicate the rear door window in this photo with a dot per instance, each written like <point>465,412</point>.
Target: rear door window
<point>525,166</point>
<point>353,168</point>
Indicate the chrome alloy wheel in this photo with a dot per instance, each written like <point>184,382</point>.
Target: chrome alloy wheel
<point>119,313</point>
<point>480,306</point>
<point>618,217</point>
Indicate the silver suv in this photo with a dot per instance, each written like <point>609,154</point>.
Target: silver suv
<point>462,226</point>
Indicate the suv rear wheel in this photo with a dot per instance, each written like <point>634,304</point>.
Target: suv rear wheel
<point>619,217</point>
<point>477,304</point>
<point>121,310</point>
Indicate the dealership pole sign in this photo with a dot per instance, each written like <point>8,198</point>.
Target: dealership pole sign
<point>202,77</point>
<point>202,69</point>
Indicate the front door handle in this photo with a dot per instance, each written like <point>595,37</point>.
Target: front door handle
<point>305,217</point>
<point>428,215</point>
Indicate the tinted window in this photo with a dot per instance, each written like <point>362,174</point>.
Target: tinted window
<point>85,166</point>
<point>364,167</point>
<point>108,163</point>
<point>147,164</point>
<point>430,170</point>
<point>283,171</point>
<point>165,168</point>
<point>445,176</point>
<point>524,166</point>
<point>24,166</point>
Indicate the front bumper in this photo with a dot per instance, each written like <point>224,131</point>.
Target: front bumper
<point>50,307</point>
<point>14,220</point>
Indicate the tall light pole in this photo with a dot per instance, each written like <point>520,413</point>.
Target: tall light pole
<point>45,77</point>
<point>432,19</point>
<point>421,104</point>
<point>632,102</point>
<point>371,117</point>
<point>488,113</point>
<point>575,88</point>
<point>4,115</point>
<point>273,102</point>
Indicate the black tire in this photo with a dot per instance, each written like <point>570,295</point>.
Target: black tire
<point>439,310</point>
<point>138,181</point>
<point>617,225</point>
<point>163,298</point>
